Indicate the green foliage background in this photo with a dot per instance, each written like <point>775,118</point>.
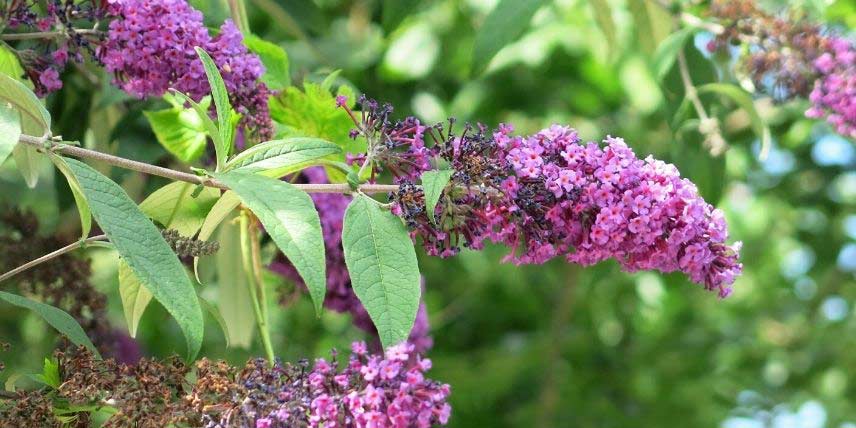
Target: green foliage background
<point>553,345</point>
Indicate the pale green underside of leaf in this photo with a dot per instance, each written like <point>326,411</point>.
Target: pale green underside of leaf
<point>10,130</point>
<point>145,251</point>
<point>27,161</point>
<point>135,297</point>
<point>57,318</point>
<point>233,295</point>
<point>289,217</point>
<point>281,157</point>
<point>79,198</point>
<point>383,267</point>
<point>25,101</point>
<point>222,208</point>
<point>174,206</point>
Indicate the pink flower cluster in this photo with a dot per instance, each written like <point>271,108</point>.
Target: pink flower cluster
<point>592,203</point>
<point>548,195</point>
<point>370,392</point>
<point>150,48</point>
<point>834,93</point>
<point>340,296</point>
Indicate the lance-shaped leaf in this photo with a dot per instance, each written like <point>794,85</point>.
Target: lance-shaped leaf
<point>667,51</point>
<point>505,24</point>
<point>289,217</point>
<point>280,157</point>
<point>135,297</point>
<point>57,318</point>
<point>77,193</point>
<point>221,209</point>
<point>383,267</point>
<point>433,183</point>
<point>32,110</point>
<point>233,290</point>
<point>221,103</point>
<point>175,207</point>
<point>27,161</point>
<point>145,251</point>
<point>10,130</point>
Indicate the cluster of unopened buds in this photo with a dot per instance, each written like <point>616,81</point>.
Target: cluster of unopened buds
<point>793,58</point>
<point>549,195</point>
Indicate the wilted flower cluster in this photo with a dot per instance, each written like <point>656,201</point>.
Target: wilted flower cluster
<point>791,57</point>
<point>151,48</point>
<point>550,195</point>
<point>44,59</point>
<point>340,296</point>
<point>370,391</point>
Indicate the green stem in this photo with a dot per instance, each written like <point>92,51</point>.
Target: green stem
<point>239,15</point>
<point>247,258</point>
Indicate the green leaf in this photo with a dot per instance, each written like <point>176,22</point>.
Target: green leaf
<point>653,23</point>
<point>505,24</point>
<point>433,183</point>
<point>10,130</point>
<point>603,17</point>
<point>79,199</point>
<point>221,209</point>
<point>209,125</point>
<point>57,318</point>
<point>221,103</point>
<point>174,206</point>
<point>27,160</point>
<point>289,217</point>
<point>667,51</point>
<point>274,59</point>
<point>312,112</point>
<point>744,100</point>
<point>215,313</point>
<point>394,11</point>
<point>180,131</point>
<point>145,251</point>
<point>9,64</point>
<point>383,267</point>
<point>32,110</point>
<point>50,374</point>
<point>233,298</point>
<point>280,157</point>
<point>135,297</point>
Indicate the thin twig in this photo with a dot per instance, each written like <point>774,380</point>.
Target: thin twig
<point>50,256</point>
<point>145,168</point>
<point>46,34</point>
<point>690,89</point>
